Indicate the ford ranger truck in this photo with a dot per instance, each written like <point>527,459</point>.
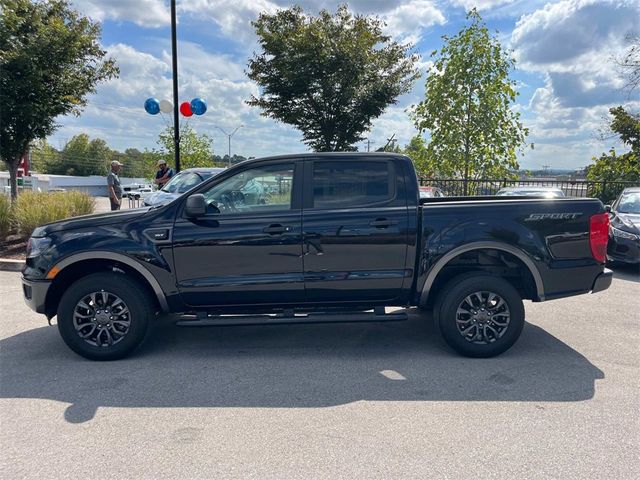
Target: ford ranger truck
<point>315,237</point>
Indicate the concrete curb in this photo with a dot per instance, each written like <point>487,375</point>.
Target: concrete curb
<point>10,265</point>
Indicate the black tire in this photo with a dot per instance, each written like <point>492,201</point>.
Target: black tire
<point>484,342</point>
<point>134,297</point>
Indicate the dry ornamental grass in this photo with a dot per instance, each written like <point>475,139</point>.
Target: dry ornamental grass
<point>5,215</point>
<point>33,209</point>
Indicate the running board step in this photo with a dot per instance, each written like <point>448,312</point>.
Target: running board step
<point>280,319</point>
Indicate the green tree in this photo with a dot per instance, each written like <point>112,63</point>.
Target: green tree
<point>629,64</point>
<point>43,156</point>
<point>196,150</point>
<point>423,162</point>
<point>328,76</point>
<point>50,59</point>
<point>615,168</point>
<point>74,156</point>
<point>135,163</point>
<point>83,156</point>
<point>100,156</point>
<point>467,106</point>
<point>612,167</point>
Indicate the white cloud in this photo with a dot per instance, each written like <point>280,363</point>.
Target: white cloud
<point>573,35</point>
<point>571,44</point>
<point>480,4</point>
<point>233,18</point>
<point>195,59</point>
<point>139,72</point>
<point>407,21</point>
<point>116,112</point>
<point>146,13</point>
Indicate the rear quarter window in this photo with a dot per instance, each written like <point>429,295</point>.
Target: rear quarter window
<point>343,184</point>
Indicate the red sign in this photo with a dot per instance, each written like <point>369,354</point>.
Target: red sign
<point>23,168</point>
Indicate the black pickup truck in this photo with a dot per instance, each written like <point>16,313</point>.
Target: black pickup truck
<point>315,238</point>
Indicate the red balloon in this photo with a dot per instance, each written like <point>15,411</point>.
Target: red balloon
<point>185,109</point>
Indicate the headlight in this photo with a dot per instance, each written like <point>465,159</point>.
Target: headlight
<point>37,245</point>
<point>622,234</point>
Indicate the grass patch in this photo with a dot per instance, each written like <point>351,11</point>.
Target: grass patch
<point>5,215</point>
<point>33,209</point>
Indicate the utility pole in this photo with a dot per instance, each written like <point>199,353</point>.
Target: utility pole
<point>369,143</point>
<point>229,135</point>
<point>391,141</point>
<point>176,116</point>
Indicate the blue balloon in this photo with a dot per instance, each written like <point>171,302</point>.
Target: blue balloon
<point>152,106</point>
<point>198,106</point>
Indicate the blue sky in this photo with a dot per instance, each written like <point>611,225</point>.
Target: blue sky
<point>566,78</point>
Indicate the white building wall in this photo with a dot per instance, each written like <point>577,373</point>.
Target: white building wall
<point>94,185</point>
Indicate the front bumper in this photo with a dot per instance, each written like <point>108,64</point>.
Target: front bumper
<point>35,293</point>
<point>623,250</point>
<point>602,281</point>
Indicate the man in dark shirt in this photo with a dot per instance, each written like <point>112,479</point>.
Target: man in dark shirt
<point>163,174</point>
<point>113,185</point>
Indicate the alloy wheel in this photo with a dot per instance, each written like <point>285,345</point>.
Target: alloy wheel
<point>482,317</point>
<point>101,319</point>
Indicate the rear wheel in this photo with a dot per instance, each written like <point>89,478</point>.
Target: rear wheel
<point>104,316</point>
<point>480,315</point>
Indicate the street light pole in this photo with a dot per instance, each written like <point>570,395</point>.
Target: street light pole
<point>174,58</point>
<point>229,135</point>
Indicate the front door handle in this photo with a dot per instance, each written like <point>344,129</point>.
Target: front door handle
<point>276,229</point>
<point>381,223</point>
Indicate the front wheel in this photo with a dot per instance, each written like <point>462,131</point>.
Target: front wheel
<point>104,316</point>
<point>480,315</point>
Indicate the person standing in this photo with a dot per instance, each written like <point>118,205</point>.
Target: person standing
<point>163,174</point>
<point>113,186</point>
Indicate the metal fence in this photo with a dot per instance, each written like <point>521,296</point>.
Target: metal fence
<point>605,191</point>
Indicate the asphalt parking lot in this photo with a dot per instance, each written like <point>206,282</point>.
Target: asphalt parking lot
<point>328,401</point>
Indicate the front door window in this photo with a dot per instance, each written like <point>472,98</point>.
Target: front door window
<point>254,191</point>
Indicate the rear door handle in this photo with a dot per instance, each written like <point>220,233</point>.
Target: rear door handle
<point>276,229</point>
<point>381,223</point>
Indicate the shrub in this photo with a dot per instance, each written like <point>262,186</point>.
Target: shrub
<point>33,209</point>
<point>5,216</point>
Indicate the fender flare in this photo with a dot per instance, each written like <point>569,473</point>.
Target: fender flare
<point>447,257</point>
<point>118,257</point>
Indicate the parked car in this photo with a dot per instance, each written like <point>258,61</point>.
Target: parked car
<point>136,191</point>
<point>343,237</point>
<point>624,232</point>
<point>430,192</point>
<point>547,192</point>
<point>180,183</point>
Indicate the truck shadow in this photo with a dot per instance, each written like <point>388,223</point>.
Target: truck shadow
<point>630,273</point>
<point>291,367</point>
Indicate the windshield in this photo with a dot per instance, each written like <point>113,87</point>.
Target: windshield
<point>182,182</point>
<point>629,203</point>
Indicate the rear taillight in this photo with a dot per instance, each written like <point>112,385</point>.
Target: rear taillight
<point>599,235</point>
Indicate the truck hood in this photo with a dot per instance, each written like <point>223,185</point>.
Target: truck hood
<point>160,198</point>
<point>629,222</point>
<point>94,220</point>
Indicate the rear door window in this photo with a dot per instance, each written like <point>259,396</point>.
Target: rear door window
<point>343,184</point>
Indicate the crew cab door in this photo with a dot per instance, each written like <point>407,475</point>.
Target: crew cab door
<point>355,230</point>
<point>247,249</point>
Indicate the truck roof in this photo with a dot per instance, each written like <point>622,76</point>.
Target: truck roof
<point>352,156</point>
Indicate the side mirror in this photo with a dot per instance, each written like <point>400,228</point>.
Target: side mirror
<point>196,206</point>
<point>607,208</point>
